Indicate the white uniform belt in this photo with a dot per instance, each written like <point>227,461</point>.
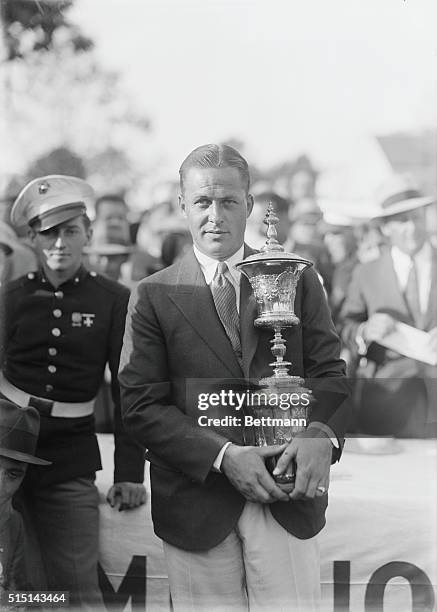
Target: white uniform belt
<point>46,406</point>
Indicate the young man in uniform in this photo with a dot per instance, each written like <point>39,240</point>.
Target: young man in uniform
<point>61,326</point>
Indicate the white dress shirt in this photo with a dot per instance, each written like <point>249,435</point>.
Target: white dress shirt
<point>402,265</point>
<point>208,265</point>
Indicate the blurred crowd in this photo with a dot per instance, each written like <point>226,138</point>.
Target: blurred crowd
<point>128,246</point>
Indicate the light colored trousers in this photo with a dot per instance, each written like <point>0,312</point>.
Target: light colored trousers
<point>259,567</point>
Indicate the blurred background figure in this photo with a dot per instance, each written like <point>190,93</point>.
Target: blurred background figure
<point>340,241</point>
<point>397,395</point>
<point>111,223</point>
<point>108,258</point>
<point>155,224</point>
<point>20,257</point>
<point>370,241</point>
<point>305,238</point>
<point>174,246</point>
<point>8,242</point>
<point>110,246</point>
<point>302,183</point>
<point>256,228</point>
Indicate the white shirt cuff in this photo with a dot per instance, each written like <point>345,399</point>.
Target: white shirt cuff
<point>218,460</point>
<point>326,430</point>
<point>359,339</point>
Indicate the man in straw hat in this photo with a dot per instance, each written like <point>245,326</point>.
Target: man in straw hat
<point>19,429</point>
<point>62,325</point>
<point>396,287</point>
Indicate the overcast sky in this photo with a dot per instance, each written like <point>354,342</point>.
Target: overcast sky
<point>283,76</point>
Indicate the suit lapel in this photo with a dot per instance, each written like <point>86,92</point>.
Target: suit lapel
<point>193,298</point>
<point>248,313</point>
<point>390,287</point>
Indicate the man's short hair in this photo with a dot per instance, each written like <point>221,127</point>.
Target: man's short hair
<point>215,156</point>
<point>109,197</point>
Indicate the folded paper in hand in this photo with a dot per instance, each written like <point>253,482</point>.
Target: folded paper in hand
<point>411,342</point>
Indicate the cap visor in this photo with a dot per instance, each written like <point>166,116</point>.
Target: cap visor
<point>6,452</point>
<point>57,217</point>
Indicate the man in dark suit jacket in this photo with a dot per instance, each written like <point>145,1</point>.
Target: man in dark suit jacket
<point>397,393</point>
<point>213,500</point>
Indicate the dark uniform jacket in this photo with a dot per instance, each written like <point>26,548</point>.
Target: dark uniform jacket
<point>55,345</point>
<point>176,347</point>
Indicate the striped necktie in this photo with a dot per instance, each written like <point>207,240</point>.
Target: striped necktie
<point>412,295</point>
<point>225,301</point>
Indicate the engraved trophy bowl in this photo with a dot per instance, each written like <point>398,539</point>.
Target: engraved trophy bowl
<point>273,275</point>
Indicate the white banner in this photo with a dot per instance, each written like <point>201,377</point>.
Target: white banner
<point>378,548</point>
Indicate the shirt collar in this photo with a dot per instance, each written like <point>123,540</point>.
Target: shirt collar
<point>209,265</point>
<point>421,256</point>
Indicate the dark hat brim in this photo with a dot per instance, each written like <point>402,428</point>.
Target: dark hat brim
<point>25,457</point>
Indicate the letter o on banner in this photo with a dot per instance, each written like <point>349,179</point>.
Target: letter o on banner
<point>422,592</point>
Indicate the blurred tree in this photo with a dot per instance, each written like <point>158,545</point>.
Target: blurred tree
<point>110,170</point>
<point>58,161</point>
<point>31,25</point>
<point>55,95</point>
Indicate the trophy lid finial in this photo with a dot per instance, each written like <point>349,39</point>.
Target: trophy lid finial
<point>271,220</point>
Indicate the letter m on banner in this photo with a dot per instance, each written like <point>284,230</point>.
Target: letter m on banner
<point>133,587</point>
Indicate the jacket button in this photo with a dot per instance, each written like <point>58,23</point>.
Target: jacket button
<point>56,332</point>
<point>52,369</point>
<point>49,388</point>
<point>57,313</point>
<point>52,351</point>
<point>59,295</point>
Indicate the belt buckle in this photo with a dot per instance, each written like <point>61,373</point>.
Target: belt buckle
<point>43,406</point>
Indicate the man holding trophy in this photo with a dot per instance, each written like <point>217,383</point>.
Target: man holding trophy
<point>235,535</point>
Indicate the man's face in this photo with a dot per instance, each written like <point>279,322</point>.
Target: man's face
<point>59,248</point>
<point>335,242</point>
<point>11,476</point>
<point>112,217</point>
<point>216,204</point>
<point>407,230</point>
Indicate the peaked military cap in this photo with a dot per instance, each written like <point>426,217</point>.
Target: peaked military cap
<point>51,200</point>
